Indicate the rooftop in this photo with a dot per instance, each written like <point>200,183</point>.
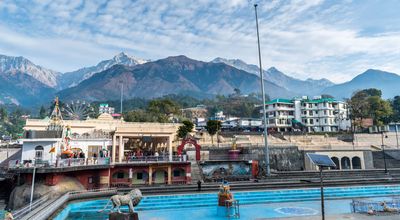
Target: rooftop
<point>319,100</point>
<point>286,101</point>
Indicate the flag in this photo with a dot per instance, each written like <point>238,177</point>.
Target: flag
<point>52,150</point>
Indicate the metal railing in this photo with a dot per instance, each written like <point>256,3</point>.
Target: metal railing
<point>18,214</point>
<point>69,162</point>
<point>43,208</point>
<point>144,159</point>
<point>76,162</point>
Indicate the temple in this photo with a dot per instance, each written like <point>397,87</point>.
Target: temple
<point>102,152</point>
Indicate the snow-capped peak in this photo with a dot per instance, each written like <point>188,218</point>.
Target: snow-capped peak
<point>15,65</point>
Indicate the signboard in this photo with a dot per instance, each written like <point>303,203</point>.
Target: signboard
<point>104,180</point>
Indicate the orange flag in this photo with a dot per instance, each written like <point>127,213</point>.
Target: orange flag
<point>52,150</point>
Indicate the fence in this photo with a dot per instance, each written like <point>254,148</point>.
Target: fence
<point>363,206</point>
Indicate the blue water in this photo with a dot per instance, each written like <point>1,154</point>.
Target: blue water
<point>253,204</point>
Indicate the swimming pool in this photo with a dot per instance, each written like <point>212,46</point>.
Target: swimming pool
<point>253,204</point>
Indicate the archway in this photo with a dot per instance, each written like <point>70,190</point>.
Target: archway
<point>159,176</point>
<point>189,140</point>
<point>345,162</point>
<point>356,162</point>
<point>140,177</point>
<point>39,152</point>
<point>337,163</point>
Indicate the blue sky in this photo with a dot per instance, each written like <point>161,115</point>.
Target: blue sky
<point>311,38</point>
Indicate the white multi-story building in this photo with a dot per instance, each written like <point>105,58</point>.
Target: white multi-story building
<point>324,115</point>
<point>104,108</point>
<point>316,115</point>
<point>280,113</point>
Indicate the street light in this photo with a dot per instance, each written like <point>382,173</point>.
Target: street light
<point>263,99</point>
<point>383,151</point>
<point>33,186</point>
<point>122,91</point>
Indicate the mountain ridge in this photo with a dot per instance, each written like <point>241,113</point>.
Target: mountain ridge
<point>372,78</point>
<point>302,87</point>
<point>73,78</point>
<point>172,75</point>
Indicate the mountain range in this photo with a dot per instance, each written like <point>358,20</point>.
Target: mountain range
<point>308,87</point>
<point>71,79</point>
<point>27,84</point>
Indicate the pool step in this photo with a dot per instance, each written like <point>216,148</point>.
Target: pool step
<point>246,198</point>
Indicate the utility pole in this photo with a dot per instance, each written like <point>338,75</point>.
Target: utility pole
<point>384,155</point>
<point>266,150</point>
<point>122,92</point>
<point>33,186</point>
<point>397,137</point>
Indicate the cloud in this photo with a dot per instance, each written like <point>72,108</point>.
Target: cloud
<point>310,38</point>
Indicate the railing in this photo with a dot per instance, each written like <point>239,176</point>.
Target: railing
<point>39,212</point>
<point>144,159</point>
<point>239,157</point>
<point>18,214</point>
<point>76,162</point>
<point>70,162</point>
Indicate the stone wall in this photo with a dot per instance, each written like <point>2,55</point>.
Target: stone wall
<point>282,158</point>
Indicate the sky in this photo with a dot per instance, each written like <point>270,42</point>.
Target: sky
<point>316,39</point>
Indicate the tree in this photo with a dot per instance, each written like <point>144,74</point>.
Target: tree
<point>380,110</point>
<point>212,127</point>
<point>368,103</point>
<point>373,92</point>
<point>185,129</point>
<point>237,91</point>
<point>396,108</point>
<point>42,112</point>
<point>139,115</point>
<point>163,107</point>
<point>3,114</point>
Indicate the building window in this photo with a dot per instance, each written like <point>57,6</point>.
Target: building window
<point>139,176</point>
<point>39,152</point>
<point>311,121</point>
<point>311,113</point>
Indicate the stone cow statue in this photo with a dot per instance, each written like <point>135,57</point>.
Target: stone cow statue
<point>131,199</point>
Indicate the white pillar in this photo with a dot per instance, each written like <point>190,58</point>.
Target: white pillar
<point>114,148</point>
<point>170,148</point>
<point>121,149</point>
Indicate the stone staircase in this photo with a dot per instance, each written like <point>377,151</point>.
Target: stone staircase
<point>196,172</point>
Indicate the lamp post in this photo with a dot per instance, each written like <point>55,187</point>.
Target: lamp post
<point>322,192</point>
<point>122,91</point>
<point>32,188</point>
<point>266,150</point>
<point>397,137</point>
<point>383,151</point>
